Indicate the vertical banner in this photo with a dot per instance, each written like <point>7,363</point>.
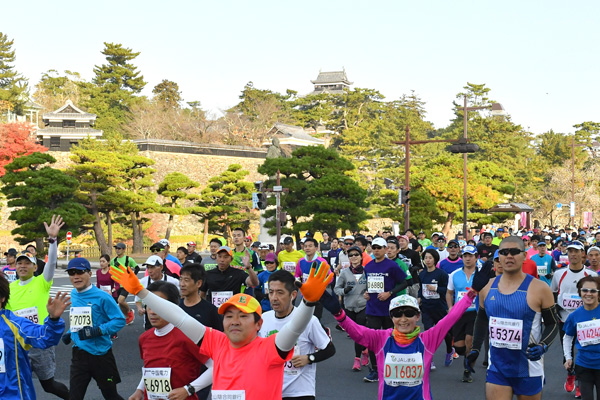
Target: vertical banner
<point>587,218</point>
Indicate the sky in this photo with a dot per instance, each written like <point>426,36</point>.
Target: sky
<point>539,58</point>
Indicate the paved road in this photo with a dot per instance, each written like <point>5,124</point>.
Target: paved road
<point>335,379</point>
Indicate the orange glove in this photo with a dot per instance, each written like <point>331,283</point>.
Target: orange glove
<point>317,282</point>
<point>126,279</point>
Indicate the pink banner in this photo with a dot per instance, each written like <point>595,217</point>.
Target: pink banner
<point>587,218</point>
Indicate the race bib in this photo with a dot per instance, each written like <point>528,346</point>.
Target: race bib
<point>403,369</point>
<point>228,394</point>
<point>345,264</point>
<point>289,266</point>
<point>29,313</point>
<point>219,298</point>
<point>563,259</point>
<point>208,267</point>
<point>570,302</point>
<point>506,333</point>
<point>2,363</point>
<point>375,284</point>
<point>542,270</point>
<point>288,367</point>
<point>157,382</point>
<point>460,295</point>
<point>106,288</point>
<point>325,253</point>
<point>266,285</point>
<point>588,332</point>
<point>304,277</point>
<point>430,294</point>
<point>80,317</point>
<point>10,275</point>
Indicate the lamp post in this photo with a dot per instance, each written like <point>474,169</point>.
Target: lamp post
<point>497,110</point>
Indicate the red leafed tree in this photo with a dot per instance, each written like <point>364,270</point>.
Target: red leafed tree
<point>16,140</point>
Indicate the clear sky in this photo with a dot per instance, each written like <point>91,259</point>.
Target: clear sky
<point>540,58</point>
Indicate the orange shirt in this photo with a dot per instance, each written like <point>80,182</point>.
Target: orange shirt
<point>530,267</point>
<point>366,258</point>
<point>256,368</point>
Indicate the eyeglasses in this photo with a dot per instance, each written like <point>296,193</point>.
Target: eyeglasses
<point>407,312</point>
<point>348,243</point>
<point>73,272</point>
<point>452,246</point>
<point>376,247</point>
<point>512,252</point>
<point>354,255</point>
<point>592,291</point>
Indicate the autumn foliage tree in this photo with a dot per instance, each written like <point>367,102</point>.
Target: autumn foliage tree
<point>16,140</point>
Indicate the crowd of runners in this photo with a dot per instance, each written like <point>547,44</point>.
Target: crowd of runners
<point>507,294</point>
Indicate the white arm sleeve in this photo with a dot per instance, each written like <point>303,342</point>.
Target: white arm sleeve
<point>205,379</point>
<point>288,335</point>
<point>141,385</point>
<point>51,264</point>
<point>174,314</point>
<point>567,343</point>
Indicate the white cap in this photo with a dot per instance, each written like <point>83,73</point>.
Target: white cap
<point>154,261</point>
<point>349,237</point>
<point>303,240</point>
<point>593,248</point>
<point>164,242</point>
<point>547,237</point>
<point>379,242</point>
<point>404,300</point>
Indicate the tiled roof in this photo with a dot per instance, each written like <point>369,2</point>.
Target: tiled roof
<point>296,132</point>
<point>72,112</point>
<point>332,77</point>
<point>79,131</point>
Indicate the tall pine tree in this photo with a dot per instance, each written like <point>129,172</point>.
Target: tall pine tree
<point>13,85</point>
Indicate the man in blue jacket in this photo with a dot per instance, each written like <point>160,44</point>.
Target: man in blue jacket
<point>94,317</point>
<point>17,336</point>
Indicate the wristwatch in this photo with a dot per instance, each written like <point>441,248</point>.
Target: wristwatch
<point>190,389</point>
<point>51,240</point>
<point>311,358</point>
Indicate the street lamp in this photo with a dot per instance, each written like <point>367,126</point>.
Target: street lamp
<point>497,110</point>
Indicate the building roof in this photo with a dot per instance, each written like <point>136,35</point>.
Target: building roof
<point>69,111</point>
<point>292,135</point>
<point>30,104</point>
<point>511,207</point>
<point>331,77</point>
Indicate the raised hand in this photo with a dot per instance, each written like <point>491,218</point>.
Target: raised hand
<point>57,306</point>
<point>55,224</point>
<point>317,282</point>
<point>126,279</point>
<point>246,259</point>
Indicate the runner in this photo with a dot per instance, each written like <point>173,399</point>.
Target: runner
<point>393,253</point>
<point>241,250</point>
<point>122,259</point>
<point>288,257</point>
<point>313,344</point>
<point>583,325</point>
<point>404,352</point>
<point>423,241</point>
<point>94,318</point>
<point>486,249</point>
<point>193,255</point>
<point>384,281</point>
<point>10,269</point>
<point>225,281</point>
<point>454,260</point>
<point>352,285</point>
<point>161,250</point>
<point>239,347</point>
<point>325,246</point>
<point>459,283</point>
<point>566,293</point>
<point>441,247</point>
<point>28,298</point>
<point>546,266</point>
<point>593,258</point>
<point>30,248</point>
<point>154,267</point>
<point>432,296</point>
<point>176,371</point>
<point>511,309</point>
<point>169,257</point>
<point>192,303</point>
<point>210,262</point>
<point>103,281</point>
<point>17,335</point>
<point>262,290</point>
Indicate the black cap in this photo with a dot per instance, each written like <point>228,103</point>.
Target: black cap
<point>288,240</point>
<point>11,252</point>
<point>355,248</point>
<point>157,246</point>
<point>120,246</point>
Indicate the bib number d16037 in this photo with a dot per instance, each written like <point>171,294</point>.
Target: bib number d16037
<point>375,284</point>
<point>403,369</point>
<point>228,395</point>
<point>157,382</point>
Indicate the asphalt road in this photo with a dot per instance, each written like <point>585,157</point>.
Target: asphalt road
<point>335,378</point>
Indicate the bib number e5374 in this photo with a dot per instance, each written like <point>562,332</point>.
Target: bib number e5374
<point>506,333</point>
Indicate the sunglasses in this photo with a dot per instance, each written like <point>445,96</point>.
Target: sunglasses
<point>408,313</point>
<point>354,255</point>
<point>453,246</point>
<point>592,291</point>
<point>376,247</point>
<point>348,243</point>
<point>73,272</point>
<point>512,252</point>
<point>154,251</point>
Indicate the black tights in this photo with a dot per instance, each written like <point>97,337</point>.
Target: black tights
<point>55,388</point>
<point>361,319</point>
<point>431,318</point>
<point>587,390</point>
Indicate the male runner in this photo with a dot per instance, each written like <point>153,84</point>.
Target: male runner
<point>544,262</point>
<point>288,257</point>
<point>511,309</point>
<point>210,262</point>
<point>240,250</point>
<point>10,269</point>
<point>593,258</point>
<point>454,260</point>
<point>30,248</point>
<point>312,346</point>
<point>122,259</point>
<point>154,267</point>
<point>393,253</point>
<point>192,303</point>
<point>193,256</point>
<point>486,249</point>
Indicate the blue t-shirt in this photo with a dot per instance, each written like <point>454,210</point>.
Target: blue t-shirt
<point>392,275</point>
<point>587,356</point>
<point>433,300</point>
<point>545,265</point>
<point>262,287</point>
<point>457,281</point>
<point>450,266</point>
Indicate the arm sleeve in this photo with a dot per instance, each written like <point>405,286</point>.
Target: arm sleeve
<point>288,335</point>
<point>206,379</point>
<point>399,286</point>
<point>325,353</point>
<point>567,343</point>
<point>480,331</point>
<point>51,264</point>
<point>172,313</point>
<point>141,385</point>
<point>550,318</point>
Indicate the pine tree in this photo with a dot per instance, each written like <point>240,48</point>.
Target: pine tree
<point>13,85</point>
<point>175,188</point>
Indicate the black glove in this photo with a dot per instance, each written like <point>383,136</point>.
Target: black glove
<point>66,338</point>
<point>482,276</point>
<point>88,332</point>
<point>548,276</point>
<point>349,286</point>
<point>470,360</point>
<point>331,303</point>
<point>535,351</point>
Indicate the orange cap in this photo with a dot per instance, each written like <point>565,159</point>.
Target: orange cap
<point>242,302</point>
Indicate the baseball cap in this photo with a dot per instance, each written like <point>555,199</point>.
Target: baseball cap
<point>154,261</point>
<point>255,244</point>
<point>191,243</point>
<point>441,237</point>
<point>165,242</point>
<point>303,240</point>
<point>226,249</point>
<point>242,302</point>
<point>541,243</point>
<point>403,237</point>
<point>525,237</point>
<point>454,241</point>
<point>11,252</point>
<point>270,257</point>
<point>80,264</point>
<point>435,234</point>
<point>28,256</point>
<point>355,248</point>
<point>547,237</point>
<point>496,254</point>
<point>288,240</point>
<point>593,248</point>
<point>379,242</point>
<point>462,243</point>
<point>500,230</point>
<point>157,246</point>
<point>404,300</point>
<point>349,237</point>
<point>576,244</point>
<point>120,246</point>
<point>263,247</point>
<point>470,250</point>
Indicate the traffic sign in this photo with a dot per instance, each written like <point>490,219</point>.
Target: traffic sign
<point>559,206</point>
<point>69,236</point>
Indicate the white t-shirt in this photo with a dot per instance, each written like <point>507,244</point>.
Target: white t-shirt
<point>144,282</point>
<point>443,253</point>
<point>297,382</point>
<point>564,282</point>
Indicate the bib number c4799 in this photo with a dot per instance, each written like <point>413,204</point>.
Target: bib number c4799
<point>80,317</point>
<point>219,298</point>
<point>157,382</point>
<point>30,313</point>
<point>588,332</point>
<point>228,395</point>
<point>403,369</point>
<point>570,301</point>
<point>2,354</point>
<point>506,333</point>
<point>375,284</point>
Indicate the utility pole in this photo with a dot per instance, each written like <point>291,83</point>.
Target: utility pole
<point>280,217</point>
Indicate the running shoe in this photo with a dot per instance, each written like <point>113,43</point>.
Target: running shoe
<point>364,358</point>
<point>570,383</point>
<point>577,392</point>
<point>113,337</point>
<point>339,327</point>
<point>432,366</point>
<point>467,376</point>
<point>455,355</point>
<point>356,366</point>
<point>449,358</point>
<point>130,317</point>
<point>328,332</point>
<point>372,377</point>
